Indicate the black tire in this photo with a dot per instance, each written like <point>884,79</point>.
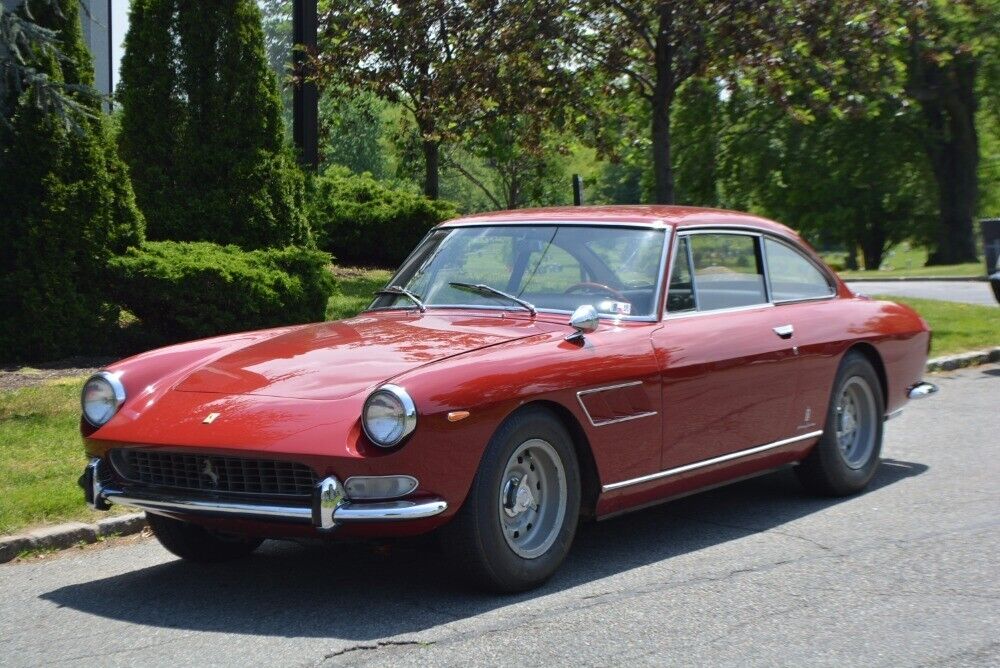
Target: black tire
<point>828,470</point>
<point>196,543</point>
<point>474,539</point>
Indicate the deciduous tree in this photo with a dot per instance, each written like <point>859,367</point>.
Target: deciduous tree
<point>449,63</point>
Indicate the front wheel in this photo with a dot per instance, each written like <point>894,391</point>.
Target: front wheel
<point>847,455</point>
<point>196,543</point>
<point>520,517</point>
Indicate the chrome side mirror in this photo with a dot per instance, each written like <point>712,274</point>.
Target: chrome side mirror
<point>584,320</point>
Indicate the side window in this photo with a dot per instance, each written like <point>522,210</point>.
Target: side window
<point>728,271</point>
<point>680,294</point>
<point>792,275</point>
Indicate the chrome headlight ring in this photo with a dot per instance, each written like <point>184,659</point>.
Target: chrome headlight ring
<point>105,389</point>
<point>389,415</point>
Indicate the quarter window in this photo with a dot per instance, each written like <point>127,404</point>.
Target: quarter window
<point>728,271</point>
<point>680,295</point>
<point>792,275</point>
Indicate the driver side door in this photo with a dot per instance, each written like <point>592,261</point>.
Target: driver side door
<point>727,375</point>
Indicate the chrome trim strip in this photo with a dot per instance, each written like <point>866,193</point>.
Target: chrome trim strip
<point>895,414</point>
<point>734,309</point>
<point>710,462</point>
<point>604,423</point>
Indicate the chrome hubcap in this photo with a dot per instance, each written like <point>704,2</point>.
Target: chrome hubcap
<point>856,422</point>
<point>532,498</point>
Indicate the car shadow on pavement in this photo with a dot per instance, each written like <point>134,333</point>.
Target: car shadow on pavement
<point>359,592</point>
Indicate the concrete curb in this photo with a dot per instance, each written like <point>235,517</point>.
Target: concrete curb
<point>63,536</point>
<point>975,358</point>
<point>917,279</point>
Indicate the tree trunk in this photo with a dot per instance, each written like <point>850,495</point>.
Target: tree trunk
<point>851,259</point>
<point>873,249</point>
<point>947,99</point>
<point>955,161</point>
<point>662,100</point>
<point>432,168</point>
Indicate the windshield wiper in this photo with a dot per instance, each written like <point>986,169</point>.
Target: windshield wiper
<point>491,291</point>
<point>396,290</point>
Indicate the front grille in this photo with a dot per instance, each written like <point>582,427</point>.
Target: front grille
<point>213,473</point>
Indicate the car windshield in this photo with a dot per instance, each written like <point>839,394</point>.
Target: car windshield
<point>551,267</point>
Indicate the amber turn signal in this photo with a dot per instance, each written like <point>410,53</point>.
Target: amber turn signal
<point>455,416</point>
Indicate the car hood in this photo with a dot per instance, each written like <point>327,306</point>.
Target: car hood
<point>334,360</point>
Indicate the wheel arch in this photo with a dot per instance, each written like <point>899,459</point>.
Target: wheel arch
<point>590,481</point>
<point>870,352</point>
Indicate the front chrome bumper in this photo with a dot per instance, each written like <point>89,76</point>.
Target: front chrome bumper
<point>330,505</point>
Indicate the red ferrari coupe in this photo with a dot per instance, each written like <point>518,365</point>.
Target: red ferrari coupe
<point>522,371</point>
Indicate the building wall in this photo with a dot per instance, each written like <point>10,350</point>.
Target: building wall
<point>95,17</point>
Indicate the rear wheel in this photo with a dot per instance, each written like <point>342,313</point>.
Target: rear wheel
<point>196,543</point>
<point>520,517</point>
<point>847,455</point>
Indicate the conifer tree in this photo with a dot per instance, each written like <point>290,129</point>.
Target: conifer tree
<point>202,126</point>
<point>67,208</point>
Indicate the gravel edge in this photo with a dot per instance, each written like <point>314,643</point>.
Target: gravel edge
<point>63,536</point>
<point>71,534</point>
<point>974,358</point>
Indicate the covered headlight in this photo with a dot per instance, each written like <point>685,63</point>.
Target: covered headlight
<point>103,394</point>
<point>389,416</point>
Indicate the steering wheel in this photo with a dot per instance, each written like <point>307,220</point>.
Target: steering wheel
<point>597,286</point>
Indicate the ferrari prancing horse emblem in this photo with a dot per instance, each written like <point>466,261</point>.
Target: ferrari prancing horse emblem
<point>210,472</point>
<point>210,418</point>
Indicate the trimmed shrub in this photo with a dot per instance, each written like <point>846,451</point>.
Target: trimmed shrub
<point>202,127</point>
<point>367,222</point>
<point>66,205</point>
<point>189,290</point>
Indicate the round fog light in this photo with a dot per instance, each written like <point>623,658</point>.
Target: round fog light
<point>379,487</point>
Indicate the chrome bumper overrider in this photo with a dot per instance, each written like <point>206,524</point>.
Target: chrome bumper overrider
<point>921,390</point>
<point>330,505</point>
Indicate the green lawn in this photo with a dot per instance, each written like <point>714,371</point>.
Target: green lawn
<point>355,288</point>
<point>957,327</point>
<point>41,456</point>
<point>905,261</point>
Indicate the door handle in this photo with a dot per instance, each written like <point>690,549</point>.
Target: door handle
<point>784,331</point>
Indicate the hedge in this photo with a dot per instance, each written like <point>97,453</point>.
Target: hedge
<point>363,221</point>
<point>188,290</point>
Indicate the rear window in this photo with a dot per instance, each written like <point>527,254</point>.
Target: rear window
<point>793,276</point>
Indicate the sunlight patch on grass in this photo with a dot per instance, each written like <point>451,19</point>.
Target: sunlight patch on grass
<point>41,455</point>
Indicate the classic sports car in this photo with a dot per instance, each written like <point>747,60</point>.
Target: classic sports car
<point>522,371</point>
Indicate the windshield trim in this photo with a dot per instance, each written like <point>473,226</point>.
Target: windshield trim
<point>655,316</point>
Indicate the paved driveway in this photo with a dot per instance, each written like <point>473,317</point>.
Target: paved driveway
<point>968,292</point>
<point>754,574</point>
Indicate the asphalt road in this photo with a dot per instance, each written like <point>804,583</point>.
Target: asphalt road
<point>754,574</point>
<point>968,292</point>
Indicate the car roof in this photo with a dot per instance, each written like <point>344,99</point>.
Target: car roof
<point>653,215</point>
